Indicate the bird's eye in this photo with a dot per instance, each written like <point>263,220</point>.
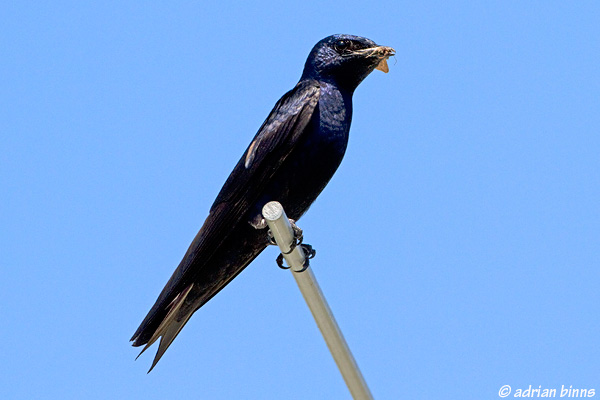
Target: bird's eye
<point>342,45</point>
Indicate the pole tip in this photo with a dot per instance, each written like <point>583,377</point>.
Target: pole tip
<point>272,211</point>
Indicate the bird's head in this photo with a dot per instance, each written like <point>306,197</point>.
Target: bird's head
<point>346,60</point>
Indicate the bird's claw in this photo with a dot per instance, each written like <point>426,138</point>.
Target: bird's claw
<point>308,250</point>
<point>309,253</point>
<point>279,261</point>
<point>298,234</point>
<point>298,237</point>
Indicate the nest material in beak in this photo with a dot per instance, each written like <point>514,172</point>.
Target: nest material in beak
<point>385,53</point>
<point>383,65</point>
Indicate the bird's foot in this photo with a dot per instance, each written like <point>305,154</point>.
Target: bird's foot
<point>258,222</point>
<point>279,261</point>
<point>309,253</point>
<point>308,250</point>
<point>297,236</point>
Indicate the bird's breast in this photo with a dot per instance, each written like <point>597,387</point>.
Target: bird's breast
<point>318,155</point>
<point>335,114</point>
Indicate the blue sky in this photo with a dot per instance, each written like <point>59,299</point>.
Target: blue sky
<point>458,244</point>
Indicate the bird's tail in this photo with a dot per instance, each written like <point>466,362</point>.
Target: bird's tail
<point>178,315</point>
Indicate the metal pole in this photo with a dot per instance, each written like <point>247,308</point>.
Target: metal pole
<point>282,232</point>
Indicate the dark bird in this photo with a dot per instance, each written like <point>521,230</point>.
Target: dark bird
<point>292,157</point>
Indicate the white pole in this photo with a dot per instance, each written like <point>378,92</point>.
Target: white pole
<point>284,237</point>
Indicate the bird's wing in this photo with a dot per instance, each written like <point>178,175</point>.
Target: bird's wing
<point>274,141</point>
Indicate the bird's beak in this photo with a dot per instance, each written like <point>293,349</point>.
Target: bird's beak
<point>383,53</point>
<point>379,53</point>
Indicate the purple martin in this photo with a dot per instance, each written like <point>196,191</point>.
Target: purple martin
<point>292,157</point>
